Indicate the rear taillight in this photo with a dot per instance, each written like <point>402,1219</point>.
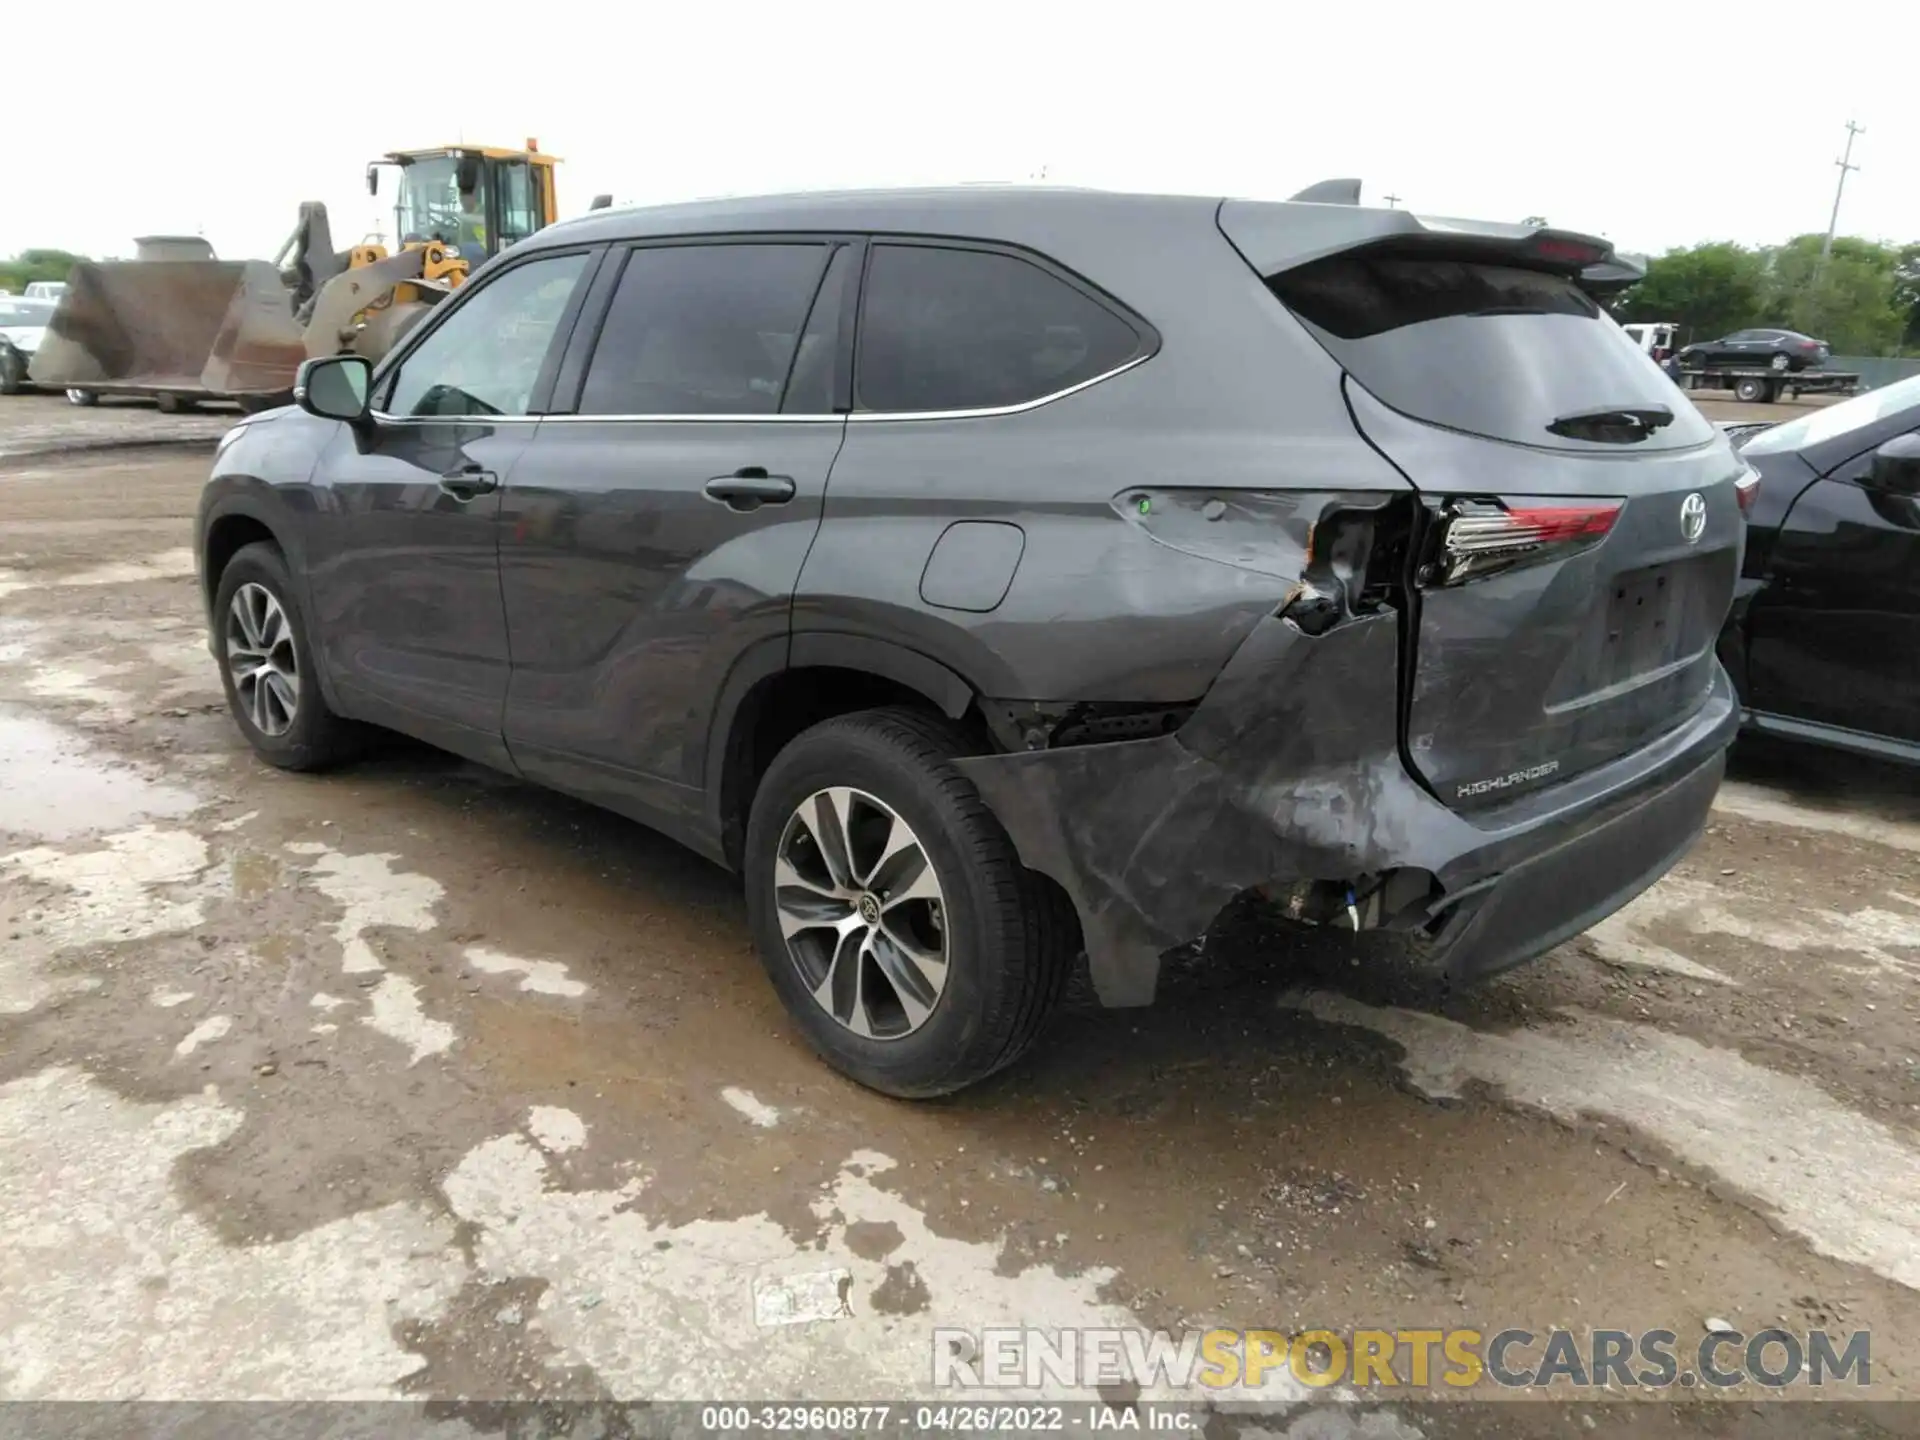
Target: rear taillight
<point>1480,537</point>
<point>1746,489</point>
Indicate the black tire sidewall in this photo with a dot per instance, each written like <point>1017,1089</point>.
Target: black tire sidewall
<point>953,1047</point>
<point>312,737</point>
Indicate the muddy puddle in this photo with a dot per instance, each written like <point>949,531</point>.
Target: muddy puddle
<point>55,786</point>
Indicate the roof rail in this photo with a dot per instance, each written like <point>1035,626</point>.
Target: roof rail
<point>1331,192</point>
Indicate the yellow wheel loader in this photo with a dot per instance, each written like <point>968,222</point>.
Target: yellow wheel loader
<point>181,326</point>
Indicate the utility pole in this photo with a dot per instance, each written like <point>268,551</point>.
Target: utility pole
<point>1845,164</point>
<point>1393,201</point>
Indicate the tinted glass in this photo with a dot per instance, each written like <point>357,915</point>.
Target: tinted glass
<point>702,330</point>
<point>25,312</point>
<point>970,330</point>
<point>1487,348</point>
<point>810,387</point>
<point>485,358</point>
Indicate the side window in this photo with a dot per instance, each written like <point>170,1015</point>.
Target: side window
<point>485,358</point>
<point>944,329</point>
<point>810,386</point>
<point>518,200</point>
<point>702,330</point>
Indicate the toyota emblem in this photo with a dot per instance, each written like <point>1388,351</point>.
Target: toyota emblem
<point>1693,517</point>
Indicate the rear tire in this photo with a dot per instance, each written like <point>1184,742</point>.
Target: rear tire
<point>82,398</point>
<point>1751,390</point>
<point>267,667</point>
<point>1780,364</point>
<point>13,372</point>
<point>1006,935</point>
<point>174,405</point>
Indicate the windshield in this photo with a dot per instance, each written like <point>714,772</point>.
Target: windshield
<point>430,208</point>
<point>25,312</point>
<point>1836,420</point>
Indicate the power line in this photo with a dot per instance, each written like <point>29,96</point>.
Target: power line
<point>1845,164</point>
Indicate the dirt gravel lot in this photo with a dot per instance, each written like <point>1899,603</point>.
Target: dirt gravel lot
<point>412,1080</point>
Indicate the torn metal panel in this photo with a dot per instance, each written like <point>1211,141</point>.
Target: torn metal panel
<point>1290,769</point>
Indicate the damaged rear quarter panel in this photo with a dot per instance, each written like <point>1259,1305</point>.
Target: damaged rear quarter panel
<point>1098,609</point>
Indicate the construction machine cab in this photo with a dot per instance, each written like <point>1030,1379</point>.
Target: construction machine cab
<point>478,198</point>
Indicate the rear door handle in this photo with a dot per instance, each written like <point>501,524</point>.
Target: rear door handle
<point>469,481</point>
<point>750,487</point>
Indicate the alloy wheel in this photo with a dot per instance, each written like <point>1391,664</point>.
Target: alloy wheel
<point>862,912</point>
<point>262,660</point>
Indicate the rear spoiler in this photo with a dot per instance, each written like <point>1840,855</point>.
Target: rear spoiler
<point>1616,273</point>
<point>1327,218</point>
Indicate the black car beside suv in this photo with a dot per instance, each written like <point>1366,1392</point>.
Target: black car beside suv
<point>1824,636</point>
<point>989,573</point>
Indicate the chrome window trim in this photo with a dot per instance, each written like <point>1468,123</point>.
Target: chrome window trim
<point>868,416</point>
<point>859,417</point>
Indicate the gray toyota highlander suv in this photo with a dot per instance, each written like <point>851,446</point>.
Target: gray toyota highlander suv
<point>992,574</point>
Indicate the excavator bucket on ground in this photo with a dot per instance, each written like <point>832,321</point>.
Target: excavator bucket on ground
<point>191,328</point>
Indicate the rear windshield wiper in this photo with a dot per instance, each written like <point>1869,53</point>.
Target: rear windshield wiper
<point>1613,424</point>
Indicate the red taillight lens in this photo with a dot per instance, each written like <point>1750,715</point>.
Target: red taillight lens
<point>1746,489</point>
<point>1480,537</point>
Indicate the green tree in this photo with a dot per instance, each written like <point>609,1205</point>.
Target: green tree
<point>31,265</point>
<point>1906,292</point>
<point>1849,298</point>
<point>1707,290</point>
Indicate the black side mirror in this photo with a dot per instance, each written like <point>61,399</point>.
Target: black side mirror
<point>1896,466</point>
<point>373,179</point>
<point>334,387</point>
<point>467,176</point>
<point>601,202</point>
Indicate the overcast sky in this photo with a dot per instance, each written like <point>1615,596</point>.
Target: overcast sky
<point>1638,122</point>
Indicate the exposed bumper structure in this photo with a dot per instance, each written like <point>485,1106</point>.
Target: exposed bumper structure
<point>1290,770</point>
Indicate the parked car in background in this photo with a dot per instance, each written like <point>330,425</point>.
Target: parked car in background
<point>1142,551</point>
<point>46,289</point>
<point>22,324</point>
<point>1823,640</point>
<point>1786,350</point>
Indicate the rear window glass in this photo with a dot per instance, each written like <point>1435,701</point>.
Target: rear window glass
<point>944,329</point>
<point>1492,349</point>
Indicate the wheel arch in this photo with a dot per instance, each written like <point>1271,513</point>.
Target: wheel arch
<point>785,684</point>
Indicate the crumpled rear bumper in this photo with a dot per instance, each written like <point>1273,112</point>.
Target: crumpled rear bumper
<point>1290,770</point>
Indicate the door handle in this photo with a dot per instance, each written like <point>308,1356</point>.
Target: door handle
<point>469,481</point>
<point>750,487</point>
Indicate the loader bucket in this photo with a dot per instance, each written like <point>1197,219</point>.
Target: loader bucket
<point>181,327</point>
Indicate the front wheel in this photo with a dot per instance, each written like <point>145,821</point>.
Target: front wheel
<point>267,667</point>
<point>13,371</point>
<point>1752,390</point>
<point>82,398</point>
<point>891,911</point>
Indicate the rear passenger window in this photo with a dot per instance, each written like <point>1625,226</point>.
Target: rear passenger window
<point>945,329</point>
<point>702,330</point>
